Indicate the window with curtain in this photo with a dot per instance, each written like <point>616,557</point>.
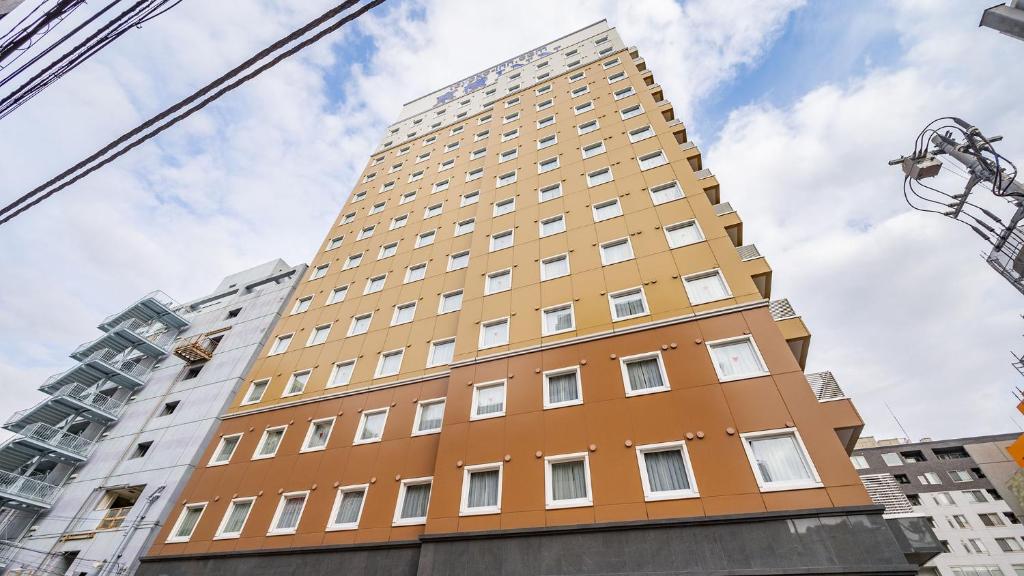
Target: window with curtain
<point>490,399</point>
<point>187,524</point>
<point>483,489</point>
<point>779,459</point>
<point>706,287</point>
<point>431,416</point>
<point>499,281</point>
<point>666,471</point>
<point>558,319</point>
<point>502,240</point>
<point>256,390</point>
<point>342,373</point>
<point>416,273</point>
<point>226,448</point>
<point>682,234</point>
<point>319,433</point>
<point>290,511</point>
<point>350,507</point>
<point>451,302</point>
<point>554,267</point>
<point>236,516</point>
<point>494,333</point>
<point>616,251</point>
<point>372,427</point>
<point>360,324</point>
<point>607,209</point>
<point>414,501</point>
<point>552,225</point>
<point>441,352</point>
<point>404,313</point>
<point>458,261</point>
<point>271,440</point>
<point>737,358</point>
<point>563,387</point>
<point>390,363</point>
<point>644,374</point>
<point>297,383</point>
<point>568,481</point>
<point>628,304</point>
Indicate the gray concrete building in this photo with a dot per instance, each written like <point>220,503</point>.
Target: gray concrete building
<point>94,469</point>
<point>963,487</point>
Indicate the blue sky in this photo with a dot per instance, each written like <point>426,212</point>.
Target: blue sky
<point>795,106</point>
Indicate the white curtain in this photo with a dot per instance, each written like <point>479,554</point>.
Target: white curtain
<point>271,442</point>
<point>617,252</point>
<point>556,267</point>
<point>666,471</point>
<point>348,511</point>
<point>431,416</point>
<point>452,302</point>
<point>290,512</point>
<point>415,503</point>
<point>373,426</point>
<point>684,234</point>
<point>321,430</point>
<point>236,518</point>
<point>443,352</point>
<point>483,489</point>
<point>568,480</point>
<point>737,358</point>
<point>391,364</point>
<point>490,399</point>
<point>557,320</point>
<point>298,382</point>
<point>256,392</point>
<point>644,374</point>
<point>628,304</point>
<point>706,288</point>
<point>496,333</point>
<point>501,281</point>
<point>553,226</point>
<point>343,374</point>
<point>668,193</point>
<point>227,448</point>
<point>562,388</point>
<point>780,459</point>
<point>188,523</point>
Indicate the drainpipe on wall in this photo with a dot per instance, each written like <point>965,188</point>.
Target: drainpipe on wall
<point>150,500</point>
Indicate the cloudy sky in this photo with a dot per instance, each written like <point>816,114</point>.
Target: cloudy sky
<point>796,109</point>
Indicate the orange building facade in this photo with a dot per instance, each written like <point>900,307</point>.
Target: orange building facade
<point>535,342</point>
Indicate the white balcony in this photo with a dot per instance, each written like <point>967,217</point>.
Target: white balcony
<point>104,364</point>
<point>41,439</point>
<point>825,387</point>
<point>144,337</point>
<point>26,493</point>
<point>153,306</point>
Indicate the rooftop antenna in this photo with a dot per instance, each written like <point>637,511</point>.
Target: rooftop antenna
<point>898,423</point>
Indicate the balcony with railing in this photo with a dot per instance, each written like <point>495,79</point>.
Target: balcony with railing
<point>758,268</point>
<point>793,329</point>
<point>42,439</point>
<point>825,387</point>
<point>730,220</point>
<point>71,400</point>
<point>104,364</point>
<point>145,337</point>
<point>836,409</point>
<point>26,493</point>
<point>153,306</point>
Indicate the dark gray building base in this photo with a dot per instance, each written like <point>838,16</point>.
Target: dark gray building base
<point>832,541</point>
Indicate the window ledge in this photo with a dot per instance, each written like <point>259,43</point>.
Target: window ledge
<point>744,376</point>
<point>785,487</point>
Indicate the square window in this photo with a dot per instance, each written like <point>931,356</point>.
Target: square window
<point>616,251</point>
<point>360,324</point>
<point>644,374</point>
<point>387,186</point>
<point>628,304</point>
<point>557,319</point>
<point>632,111</point>
<point>779,460</point>
<point>225,450</point>
<point>577,76</point>
<point>547,141</point>
<point>488,400</point>
<point>502,207</point>
<point>302,304</point>
<point>458,261</point>
<point>413,500</point>
<point>505,179</point>
<point>545,122</point>
<point>407,197</point>
<point>296,383</point>
<point>469,198</point>
<point>255,392</point>
<point>553,225</point>
<point>425,239</point>
<point>616,77</point>
<point>423,157</point>
<point>610,63</point>
<point>494,333</point>
<point>416,176</point>
<point>579,91</point>
<point>683,234</point>
<point>510,118</point>
<point>511,134</point>
<point>388,250</point>
<point>429,417</point>
<point>269,442</point>
<point>562,387</point>
<point>390,363</point>
<point>502,240</point>
<point>289,511</point>
<point>481,135</point>
<point>567,481</point>
<point>481,489</point>
<point>588,127</point>
<point>737,358</point>
<point>375,284</point>
<point>892,459</point>
<point>234,519</point>
<point>450,302</point>
<point>341,373</point>
<point>451,146</point>
<point>348,507</point>
<point>318,434</point>
<point>706,287</point>
<point>371,426</point>
<point>441,352</point>
<point>440,186</point>
<point>550,192</point>
<point>600,176</point>
<point>484,119</point>
<point>416,272</point>
<point>545,104</point>
<point>334,243</point>
<point>554,267</point>
<point>641,133</point>
<point>543,89</point>
<point>280,344</point>
<point>474,174</point>
<point>446,165</point>
<point>456,130</point>
<point>591,150</point>
<point>169,408</point>
<point>465,227</point>
<point>652,160</point>
<point>352,261</point>
<point>479,153</point>
<point>378,207</point>
<point>348,218</point>
<point>319,272</point>
<point>186,523</point>
<point>404,313</point>
<point>665,471</point>
<point>499,281</point>
<point>547,165</point>
<point>606,210</point>
<point>398,222</point>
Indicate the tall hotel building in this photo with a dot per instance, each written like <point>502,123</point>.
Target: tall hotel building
<point>534,342</point>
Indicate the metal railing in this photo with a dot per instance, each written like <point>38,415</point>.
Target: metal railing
<point>748,252</point>
<point>114,518</point>
<point>703,173</point>
<point>157,295</point>
<point>885,490</point>
<point>144,330</point>
<point>129,367</point>
<point>27,488</point>
<point>723,208</point>
<point>825,387</point>
<point>57,438</point>
<point>92,398</point>
<point>781,309</point>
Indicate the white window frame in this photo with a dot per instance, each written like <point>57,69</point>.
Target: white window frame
<point>623,93</point>
<point>469,198</point>
<point>288,342</point>
<point>510,135</point>
<point>319,272</point>
<point>603,203</point>
<point>542,189</point>
<point>580,130</point>
<point>172,538</point>
<point>508,331</point>
<point>659,153</point>
<point>334,243</point>
<point>780,486</point>
<point>464,509</point>
<point>640,134</point>
<point>698,275</point>
<point>335,368</point>
<point>221,534</point>
<point>340,494</point>
<point>544,277</point>
<point>274,531</point>
<point>352,324</point>
<point>291,380</point>
<point>550,219</point>
<point>474,404</point>
<point>370,282</point>
<point>470,222</point>
<point>357,258</point>
<point>398,520</point>
<point>220,446</point>
<point>617,77</point>
<point>498,179</point>
<point>643,298</point>
<point>474,174</point>
<point>440,302</point>
<point>380,363</point>
<point>583,108</point>
<point>433,210</point>
<point>547,141</point>
<point>611,176</point>
<point>692,222</point>
<point>546,121</point>
<point>498,203</point>
<point>487,281</point>
<point>390,245</point>
<point>451,260</point>
<point>309,435</point>
<point>546,377</point>
<point>419,413</point>
<point>420,238</point>
<point>433,345</point>
<point>543,325</point>
<point>548,164</point>
<point>638,357</point>
<point>408,272</point>
<point>631,111</point>
<point>651,496</point>
<point>315,331</point>
<point>549,502</point>
<point>402,306</point>
<point>356,441</point>
<point>757,353</point>
<point>245,399</point>
<point>263,437</point>
<point>601,247</point>
<point>599,146</point>
<point>511,232</point>
<point>579,91</point>
<point>506,155</point>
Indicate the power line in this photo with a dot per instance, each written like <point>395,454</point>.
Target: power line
<point>26,33</point>
<point>181,110</point>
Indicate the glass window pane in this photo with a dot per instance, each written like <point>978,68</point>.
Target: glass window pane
<point>780,459</point>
